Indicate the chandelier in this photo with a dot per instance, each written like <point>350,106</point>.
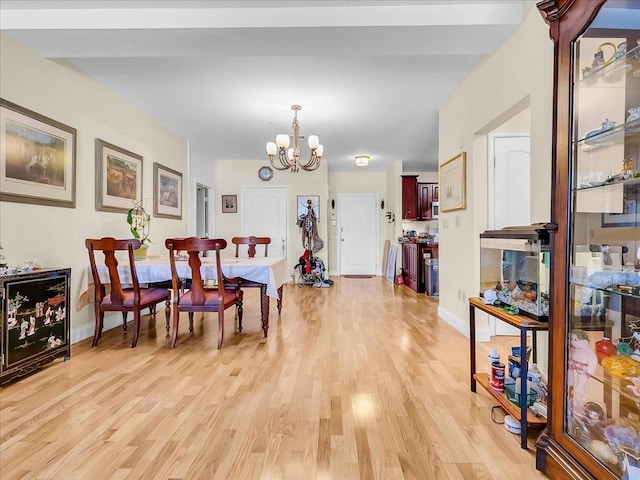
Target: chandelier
<point>289,158</point>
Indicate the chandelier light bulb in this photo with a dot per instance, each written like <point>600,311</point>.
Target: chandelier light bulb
<point>319,150</point>
<point>271,148</point>
<point>313,142</point>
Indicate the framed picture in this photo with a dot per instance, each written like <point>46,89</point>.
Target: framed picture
<point>118,178</point>
<point>229,203</point>
<point>453,183</point>
<point>303,203</point>
<point>167,192</point>
<point>630,215</point>
<point>37,158</point>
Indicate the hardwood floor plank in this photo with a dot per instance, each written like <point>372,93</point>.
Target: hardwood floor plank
<point>358,381</point>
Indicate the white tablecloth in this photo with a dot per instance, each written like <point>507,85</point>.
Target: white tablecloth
<point>272,271</point>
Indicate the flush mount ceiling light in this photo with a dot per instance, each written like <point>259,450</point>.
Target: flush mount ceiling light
<point>289,158</point>
<point>362,160</point>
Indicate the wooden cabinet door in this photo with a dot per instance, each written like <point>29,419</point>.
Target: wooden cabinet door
<point>424,201</point>
<point>410,264</point>
<point>409,197</point>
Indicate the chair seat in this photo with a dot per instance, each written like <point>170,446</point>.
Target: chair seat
<point>148,296</point>
<point>211,296</point>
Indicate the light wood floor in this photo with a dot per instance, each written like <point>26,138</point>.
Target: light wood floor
<point>357,381</point>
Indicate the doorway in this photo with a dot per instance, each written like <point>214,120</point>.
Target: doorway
<point>202,211</point>
<point>509,192</point>
<point>358,234</point>
<point>264,214</point>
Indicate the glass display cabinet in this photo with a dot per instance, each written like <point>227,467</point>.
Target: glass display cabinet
<point>594,424</point>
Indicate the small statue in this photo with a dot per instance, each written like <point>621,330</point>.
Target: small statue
<point>582,361</point>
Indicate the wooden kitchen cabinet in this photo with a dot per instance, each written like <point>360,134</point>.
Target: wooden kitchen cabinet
<point>409,197</point>
<point>418,198</point>
<point>427,194</point>
<point>413,264</point>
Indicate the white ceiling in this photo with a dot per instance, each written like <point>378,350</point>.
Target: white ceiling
<point>370,75</point>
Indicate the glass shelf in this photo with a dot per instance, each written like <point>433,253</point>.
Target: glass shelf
<point>613,70</point>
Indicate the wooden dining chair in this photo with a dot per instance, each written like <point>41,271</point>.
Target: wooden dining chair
<point>252,242</point>
<point>115,296</point>
<point>200,297</point>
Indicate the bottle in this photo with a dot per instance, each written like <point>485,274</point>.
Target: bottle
<point>494,356</point>
<point>534,377</point>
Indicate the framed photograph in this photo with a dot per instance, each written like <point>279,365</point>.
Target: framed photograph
<point>167,192</point>
<point>630,215</point>
<point>303,204</point>
<point>229,203</point>
<point>118,178</point>
<point>453,183</point>
<point>37,158</point>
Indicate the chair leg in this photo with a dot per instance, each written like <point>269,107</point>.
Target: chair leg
<point>174,331</point>
<point>220,326</point>
<point>136,327</point>
<point>239,315</point>
<point>167,314</point>
<point>98,329</point>
<point>124,321</point>
<point>190,322</point>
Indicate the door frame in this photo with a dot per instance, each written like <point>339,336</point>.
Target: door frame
<point>378,265</point>
<point>491,138</point>
<point>496,327</point>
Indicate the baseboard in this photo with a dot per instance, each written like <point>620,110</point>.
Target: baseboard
<point>86,331</point>
<point>482,334</point>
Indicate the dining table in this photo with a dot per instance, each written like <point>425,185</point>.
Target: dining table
<point>271,272</point>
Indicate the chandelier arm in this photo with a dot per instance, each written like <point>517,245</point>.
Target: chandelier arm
<point>285,166</point>
<point>312,164</point>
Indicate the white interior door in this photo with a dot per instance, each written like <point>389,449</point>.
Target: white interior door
<point>264,214</point>
<point>509,193</point>
<point>202,211</point>
<point>358,230</point>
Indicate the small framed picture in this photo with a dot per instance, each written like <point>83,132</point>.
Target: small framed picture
<point>167,192</point>
<point>118,178</point>
<point>303,205</point>
<point>229,203</point>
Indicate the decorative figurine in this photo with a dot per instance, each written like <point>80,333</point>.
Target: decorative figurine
<point>582,361</point>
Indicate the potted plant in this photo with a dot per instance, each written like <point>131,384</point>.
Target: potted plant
<point>139,221</point>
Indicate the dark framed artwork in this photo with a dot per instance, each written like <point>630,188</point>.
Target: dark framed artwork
<point>37,158</point>
<point>302,203</point>
<point>167,192</point>
<point>229,203</point>
<point>118,178</point>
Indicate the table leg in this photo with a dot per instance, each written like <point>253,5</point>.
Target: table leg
<point>280,299</point>
<point>472,345</point>
<point>264,308</point>
<point>523,389</point>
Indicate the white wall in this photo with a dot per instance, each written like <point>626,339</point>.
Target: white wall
<point>518,76</point>
<point>54,236</point>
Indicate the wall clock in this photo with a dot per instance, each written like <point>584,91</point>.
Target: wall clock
<point>265,173</point>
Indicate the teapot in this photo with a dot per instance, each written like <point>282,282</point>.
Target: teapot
<point>607,125</point>
<point>634,114</point>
